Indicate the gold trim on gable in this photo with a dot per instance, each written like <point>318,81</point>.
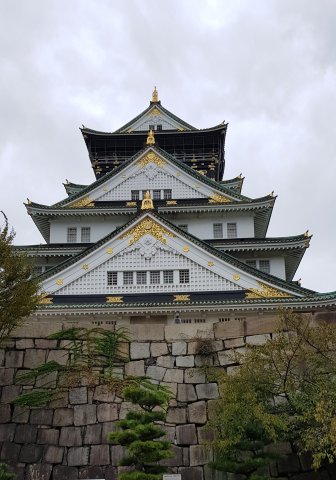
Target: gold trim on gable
<point>265,291</point>
<point>84,202</point>
<point>147,227</point>
<point>217,198</point>
<point>151,157</point>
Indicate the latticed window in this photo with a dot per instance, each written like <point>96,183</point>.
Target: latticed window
<point>135,195</point>
<point>168,276</point>
<point>112,278</point>
<point>218,230</point>
<point>156,194</point>
<point>159,127</point>
<point>154,277</point>
<point>231,230</point>
<point>85,234</point>
<point>184,227</point>
<point>251,263</point>
<point>167,194</point>
<point>72,235</point>
<point>184,276</point>
<point>128,278</point>
<point>264,266</point>
<point>141,278</point>
<point>151,127</point>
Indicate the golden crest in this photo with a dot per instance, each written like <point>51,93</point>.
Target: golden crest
<point>109,250</point>
<point>211,264</point>
<point>147,226</point>
<point>114,299</point>
<point>217,198</point>
<point>59,281</point>
<point>85,266</point>
<point>185,248</point>
<point>151,157</point>
<point>181,298</point>
<point>45,299</point>
<point>236,277</point>
<point>265,291</point>
<point>84,202</point>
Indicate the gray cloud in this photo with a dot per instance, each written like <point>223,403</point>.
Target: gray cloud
<point>268,68</point>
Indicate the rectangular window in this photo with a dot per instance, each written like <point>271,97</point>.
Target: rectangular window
<point>128,278</point>
<point>72,235</point>
<point>154,277</point>
<point>168,276</point>
<point>144,193</point>
<point>159,127</point>
<point>141,278</point>
<point>167,194</point>
<point>156,194</point>
<point>218,230</point>
<point>184,276</point>
<point>184,227</point>
<point>264,266</point>
<point>251,263</point>
<point>85,234</point>
<point>112,278</point>
<point>231,230</point>
<point>135,195</point>
<point>150,127</point>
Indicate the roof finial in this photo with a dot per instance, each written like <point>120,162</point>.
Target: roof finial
<point>29,201</point>
<point>155,95</point>
<point>147,202</point>
<point>150,138</point>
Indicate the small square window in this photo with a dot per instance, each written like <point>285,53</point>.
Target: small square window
<point>155,277</point>
<point>167,194</point>
<point>264,266</point>
<point>231,230</point>
<point>218,230</point>
<point>135,194</point>
<point>184,227</point>
<point>128,278</point>
<point>168,276</point>
<point>159,127</point>
<point>72,235</point>
<point>156,194</point>
<point>112,278</point>
<point>141,278</point>
<point>184,276</point>
<point>151,127</point>
<point>251,263</point>
<point>85,234</point>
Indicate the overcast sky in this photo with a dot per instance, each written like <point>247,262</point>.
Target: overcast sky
<point>267,67</point>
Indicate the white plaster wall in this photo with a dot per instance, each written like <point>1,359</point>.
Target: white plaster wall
<point>100,227</point>
<point>277,265</point>
<point>201,225</point>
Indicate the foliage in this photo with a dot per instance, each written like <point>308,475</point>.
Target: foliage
<point>18,290</point>
<point>5,474</point>
<point>283,390</point>
<point>140,434</point>
<point>93,353</point>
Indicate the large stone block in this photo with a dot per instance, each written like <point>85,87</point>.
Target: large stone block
<point>146,332</point>
<point>6,376</point>
<point>197,412</point>
<point>176,415</point>
<point>31,453</point>
<point>59,356</point>
<point>63,417</point>
<point>185,361</point>
<point>262,324</point>
<point>166,361</point>
<point>211,474</point>
<point>103,393</point>
<point>128,407</point>
<point>19,381</point>
<point>231,329</point>
<point>100,455</point>
<point>257,339</point>
<point>78,396</point>
<point>92,434</point>
<point>84,414</point>
<point>92,472</point>
<point>191,473</point>
<point>71,437</point>
<point>173,375</point>
<point>194,375</point>
<point>179,348</point>
<point>176,459</point>
<point>227,357</point>
<point>14,358</point>
<point>48,436</point>
<point>204,434</point>
<point>158,349</point>
<point>5,413</point>
<point>186,393</point>
<point>171,386</point>
<point>135,369</point>
<point>78,456</point>
<point>170,433</point>
<point>207,391</point>
<point>62,472</point>
<point>34,357</point>
<point>186,434</point>
<point>200,455</point>
<point>41,416</point>
<point>9,393</point>
<point>107,412</point>
<point>155,372</point>
<point>108,427</point>
<point>45,343</point>
<point>196,347</point>
<point>117,453</point>
<point>54,454</point>
<point>48,380</point>
<point>7,432</point>
<point>234,342</point>
<point>176,332</point>
<point>21,414</point>
<point>40,471</point>
<point>25,434</point>
<point>24,343</point>
<point>139,350</point>
<point>10,452</point>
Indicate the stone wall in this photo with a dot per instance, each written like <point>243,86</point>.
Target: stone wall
<point>67,440</point>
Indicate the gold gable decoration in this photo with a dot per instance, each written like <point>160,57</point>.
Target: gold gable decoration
<point>147,227</point>
<point>217,198</point>
<point>155,111</point>
<point>84,202</point>
<point>45,299</point>
<point>265,291</point>
<point>151,157</point>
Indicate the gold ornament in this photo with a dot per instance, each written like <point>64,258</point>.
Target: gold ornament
<point>85,266</point>
<point>185,248</point>
<point>45,299</point>
<point>155,95</point>
<point>84,202</point>
<point>59,281</point>
<point>131,204</point>
<point>211,264</point>
<point>265,291</point>
<point>147,227</point>
<point>236,277</point>
<point>151,157</point>
<point>181,298</point>
<point>217,198</point>
<point>154,111</point>
<point>114,299</point>
<point>171,202</point>
<point>150,139</point>
<point>147,202</point>
<point>109,250</point>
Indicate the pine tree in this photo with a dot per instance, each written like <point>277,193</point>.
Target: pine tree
<point>5,474</point>
<point>18,290</point>
<point>139,433</point>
